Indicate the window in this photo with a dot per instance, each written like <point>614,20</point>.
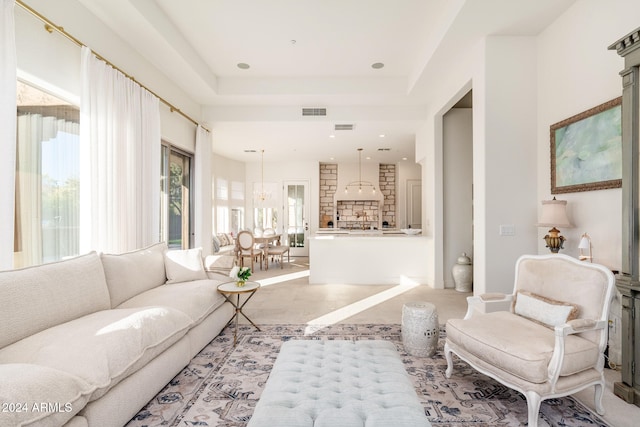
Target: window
<point>175,211</point>
<point>237,190</point>
<point>229,201</point>
<point>47,178</point>
<point>266,218</point>
<point>222,189</point>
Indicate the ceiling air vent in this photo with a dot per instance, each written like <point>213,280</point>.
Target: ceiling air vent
<point>344,127</point>
<point>314,111</point>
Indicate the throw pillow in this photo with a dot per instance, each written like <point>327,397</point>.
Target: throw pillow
<point>546,311</point>
<point>223,239</point>
<point>184,265</point>
<point>216,244</point>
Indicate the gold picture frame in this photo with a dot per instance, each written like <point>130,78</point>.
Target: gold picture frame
<point>586,150</point>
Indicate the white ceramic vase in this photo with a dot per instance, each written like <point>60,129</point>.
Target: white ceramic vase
<point>462,273</point>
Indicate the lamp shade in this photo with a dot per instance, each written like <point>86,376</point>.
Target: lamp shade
<point>554,214</point>
<point>585,242</point>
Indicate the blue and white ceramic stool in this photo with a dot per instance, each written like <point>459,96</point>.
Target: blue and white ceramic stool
<point>420,328</point>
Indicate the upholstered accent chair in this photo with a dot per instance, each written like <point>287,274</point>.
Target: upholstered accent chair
<point>546,339</point>
<point>247,249</point>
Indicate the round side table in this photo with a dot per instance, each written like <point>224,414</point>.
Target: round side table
<point>228,289</point>
<point>420,328</point>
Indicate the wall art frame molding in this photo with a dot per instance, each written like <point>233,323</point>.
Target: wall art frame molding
<point>586,150</point>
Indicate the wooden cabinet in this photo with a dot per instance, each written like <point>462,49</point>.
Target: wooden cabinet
<point>629,388</point>
<point>628,281</point>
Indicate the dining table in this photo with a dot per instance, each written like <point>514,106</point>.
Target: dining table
<point>269,239</point>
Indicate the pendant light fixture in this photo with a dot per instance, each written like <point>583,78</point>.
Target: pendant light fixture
<point>360,183</point>
<point>262,195</point>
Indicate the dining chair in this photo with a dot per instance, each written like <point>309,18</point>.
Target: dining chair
<point>247,248</point>
<point>277,252</point>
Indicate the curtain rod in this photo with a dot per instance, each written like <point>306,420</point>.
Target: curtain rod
<point>50,26</point>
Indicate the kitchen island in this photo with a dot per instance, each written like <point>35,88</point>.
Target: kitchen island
<point>367,257</point>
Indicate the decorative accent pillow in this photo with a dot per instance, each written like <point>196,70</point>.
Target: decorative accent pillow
<point>230,239</point>
<point>216,244</point>
<point>546,311</point>
<point>132,273</point>
<point>184,265</point>
<point>223,239</point>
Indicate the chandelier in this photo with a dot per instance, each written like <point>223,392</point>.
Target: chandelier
<point>262,195</point>
<point>360,183</point>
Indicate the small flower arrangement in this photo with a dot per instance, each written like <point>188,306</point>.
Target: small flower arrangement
<point>240,275</point>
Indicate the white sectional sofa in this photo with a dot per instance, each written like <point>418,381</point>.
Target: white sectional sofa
<point>90,340</point>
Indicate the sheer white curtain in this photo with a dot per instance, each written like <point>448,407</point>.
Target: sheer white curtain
<point>203,203</point>
<point>45,212</point>
<point>7,131</point>
<point>119,160</point>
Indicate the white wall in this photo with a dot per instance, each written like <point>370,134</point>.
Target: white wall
<point>506,164</point>
<point>458,188</point>
<point>577,72</point>
<point>502,73</point>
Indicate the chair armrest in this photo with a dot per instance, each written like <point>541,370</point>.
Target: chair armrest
<point>575,326</point>
<point>486,303</point>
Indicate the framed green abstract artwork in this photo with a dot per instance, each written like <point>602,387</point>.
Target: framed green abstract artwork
<point>586,150</point>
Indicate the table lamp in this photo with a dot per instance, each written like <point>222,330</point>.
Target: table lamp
<point>554,214</point>
<point>585,245</point>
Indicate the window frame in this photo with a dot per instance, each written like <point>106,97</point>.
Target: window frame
<point>164,192</point>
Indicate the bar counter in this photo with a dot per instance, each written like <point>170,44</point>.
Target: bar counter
<point>367,257</point>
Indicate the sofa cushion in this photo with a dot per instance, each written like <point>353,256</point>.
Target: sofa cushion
<point>546,311</point>
<point>184,265</point>
<point>33,394</point>
<point>36,298</point>
<point>197,299</point>
<point>518,345</point>
<point>102,348</point>
<point>131,273</point>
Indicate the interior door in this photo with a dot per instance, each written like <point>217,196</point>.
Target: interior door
<point>296,217</point>
<point>414,203</point>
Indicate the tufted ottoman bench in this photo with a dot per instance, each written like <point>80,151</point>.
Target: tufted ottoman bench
<point>338,384</point>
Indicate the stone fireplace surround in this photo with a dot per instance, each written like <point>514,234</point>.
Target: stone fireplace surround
<point>343,213</point>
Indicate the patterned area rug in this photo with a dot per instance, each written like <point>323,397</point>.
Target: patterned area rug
<point>222,384</point>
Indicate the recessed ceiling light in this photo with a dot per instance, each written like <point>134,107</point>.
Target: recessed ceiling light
<point>368,157</point>
<point>382,135</point>
<point>332,136</point>
<point>377,65</point>
<point>404,158</point>
<point>243,66</point>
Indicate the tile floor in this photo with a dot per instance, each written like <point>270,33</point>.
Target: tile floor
<point>287,297</point>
